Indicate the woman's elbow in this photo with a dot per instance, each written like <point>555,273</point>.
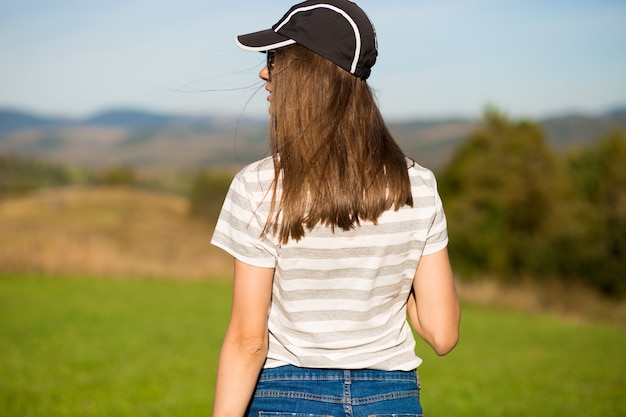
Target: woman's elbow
<point>444,343</point>
<point>246,348</point>
<point>254,348</point>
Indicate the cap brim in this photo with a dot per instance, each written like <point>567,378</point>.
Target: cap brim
<point>263,40</point>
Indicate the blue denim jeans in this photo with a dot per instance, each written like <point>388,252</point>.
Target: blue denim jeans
<point>289,391</point>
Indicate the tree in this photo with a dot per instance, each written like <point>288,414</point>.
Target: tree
<point>514,209</point>
<point>207,194</point>
<point>599,177</point>
<point>497,191</point>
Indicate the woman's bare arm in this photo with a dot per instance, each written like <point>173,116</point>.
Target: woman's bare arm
<point>246,342</point>
<point>433,307</point>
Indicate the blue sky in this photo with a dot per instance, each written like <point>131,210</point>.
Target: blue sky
<point>438,58</point>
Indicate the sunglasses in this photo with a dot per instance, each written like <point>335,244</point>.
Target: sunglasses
<point>269,56</point>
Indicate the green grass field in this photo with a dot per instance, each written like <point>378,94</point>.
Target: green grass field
<point>86,347</point>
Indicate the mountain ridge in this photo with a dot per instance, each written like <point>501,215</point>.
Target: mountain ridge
<point>141,138</point>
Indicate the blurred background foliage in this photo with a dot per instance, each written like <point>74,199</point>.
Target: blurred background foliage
<point>517,209</point>
<point>19,175</point>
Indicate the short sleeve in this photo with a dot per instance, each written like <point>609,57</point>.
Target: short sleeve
<point>240,224</point>
<point>437,238</point>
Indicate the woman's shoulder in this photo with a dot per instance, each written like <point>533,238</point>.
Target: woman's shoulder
<point>423,181</point>
<point>261,168</point>
<point>417,170</point>
<point>255,176</point>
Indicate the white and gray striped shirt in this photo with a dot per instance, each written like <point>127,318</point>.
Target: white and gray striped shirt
<point>339,298</point>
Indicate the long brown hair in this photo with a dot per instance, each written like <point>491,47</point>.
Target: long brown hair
<point>334,157</point>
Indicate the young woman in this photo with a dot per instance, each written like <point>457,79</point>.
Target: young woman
<point>337,237</point>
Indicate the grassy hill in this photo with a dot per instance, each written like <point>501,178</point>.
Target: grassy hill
<point>103,231</point>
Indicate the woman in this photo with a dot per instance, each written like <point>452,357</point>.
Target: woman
<point>336,238</point>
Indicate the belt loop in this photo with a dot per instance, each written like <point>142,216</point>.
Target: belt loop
<point>347,376</point>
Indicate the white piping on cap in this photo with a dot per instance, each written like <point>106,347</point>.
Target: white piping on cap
<point>264,47</point>
<point>357,34</point>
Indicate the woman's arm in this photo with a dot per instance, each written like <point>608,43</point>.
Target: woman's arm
<point>433,306</point>
<point>246,342</point>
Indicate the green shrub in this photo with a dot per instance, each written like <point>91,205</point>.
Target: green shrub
<point>208,191</point>
<point>19,175</point>
<point>118,175</point>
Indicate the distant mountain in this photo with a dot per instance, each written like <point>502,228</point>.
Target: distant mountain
<point>577,129</point>
<point>151,140</point>
<point>15,120</point>
<point>11,120</point>
<point>134,138</point>
<point>130,119</point>
<point>619,111</point>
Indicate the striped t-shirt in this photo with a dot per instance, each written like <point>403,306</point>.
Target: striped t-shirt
<point>339,298</point>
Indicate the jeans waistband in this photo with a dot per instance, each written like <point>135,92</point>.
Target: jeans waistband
<point>290,372</point>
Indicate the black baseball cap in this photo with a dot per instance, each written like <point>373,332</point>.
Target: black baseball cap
<point>338,30</point>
